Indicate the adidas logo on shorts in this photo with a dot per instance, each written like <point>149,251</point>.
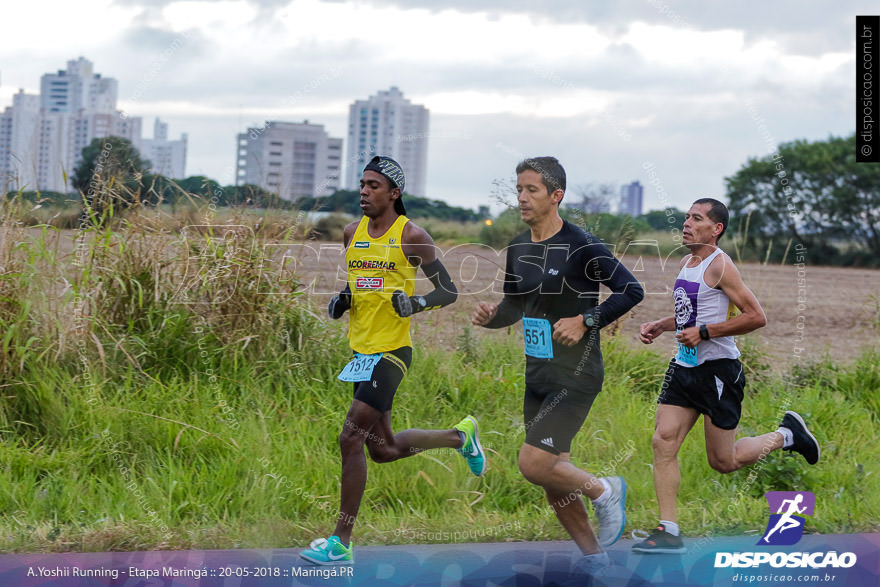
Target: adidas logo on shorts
<point>548,441</point>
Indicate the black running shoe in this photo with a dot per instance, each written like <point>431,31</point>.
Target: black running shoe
<point>660,542</point>
<point>802,441</point>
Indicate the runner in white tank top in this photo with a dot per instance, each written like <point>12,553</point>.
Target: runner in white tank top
<point>697,303</point>
<point>706,377</point>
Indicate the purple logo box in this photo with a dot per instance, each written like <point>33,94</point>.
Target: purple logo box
<point>788,510</point>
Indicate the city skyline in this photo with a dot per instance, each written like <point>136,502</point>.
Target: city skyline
<point>686,90</point>
<point>42,135</point>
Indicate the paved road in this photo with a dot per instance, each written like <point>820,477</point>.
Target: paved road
<point>514,563</point>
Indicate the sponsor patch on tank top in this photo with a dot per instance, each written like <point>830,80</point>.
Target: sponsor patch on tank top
<point>369,282</point>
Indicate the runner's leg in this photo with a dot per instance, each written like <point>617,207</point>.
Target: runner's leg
<point>360,417</point>
<point>726,454</point>
<point>670,429</point>
<point>557,474</point>
<point>385,446</point>
<point>572,514</point>
<point>552,417</point>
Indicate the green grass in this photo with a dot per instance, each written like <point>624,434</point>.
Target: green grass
<point>139,464</point>
<point>135,417</point>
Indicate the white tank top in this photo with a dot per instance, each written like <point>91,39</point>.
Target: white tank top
<point>695,304</point>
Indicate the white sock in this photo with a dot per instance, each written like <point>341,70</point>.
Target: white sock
<point>787,437</point>
<point>671,527</point>
<point>605,494</point>
<point>599,557</point>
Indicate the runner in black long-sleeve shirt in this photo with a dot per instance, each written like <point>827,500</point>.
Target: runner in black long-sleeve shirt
<point>553,274</point>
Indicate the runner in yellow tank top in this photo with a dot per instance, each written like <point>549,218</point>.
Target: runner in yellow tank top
<point>383,251</point>
<point>376,268</point>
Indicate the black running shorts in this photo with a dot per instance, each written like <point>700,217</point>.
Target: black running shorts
<point>378,391</point>
<point>713,388</point>
<point>553,414</point>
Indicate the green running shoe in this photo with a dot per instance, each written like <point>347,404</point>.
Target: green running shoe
<point>329,551</point>
<point>472,450</point>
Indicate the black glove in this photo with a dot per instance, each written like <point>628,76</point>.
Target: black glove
<point>339,304</point>
<point>406,306</point>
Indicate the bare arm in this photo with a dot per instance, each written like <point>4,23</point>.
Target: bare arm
<point>348,233</point>
<point>724,274</point>
<point>651,330</point>
<point>418,246</point>
<point>730,282</point>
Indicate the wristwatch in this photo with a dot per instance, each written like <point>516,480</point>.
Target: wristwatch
<point>589,320</point>
<point>704,332</point>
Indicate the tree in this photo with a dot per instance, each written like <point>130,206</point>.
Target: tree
<point>813,194</point>
<point>593,198</point>
<point>107,161</point>
<point>348,202</point>
<point>109,176</point>
<point>663,219</point>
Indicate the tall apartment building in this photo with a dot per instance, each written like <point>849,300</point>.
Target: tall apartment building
<point>388,124</point>
<point>20,126</point>
<point>78,88</point>
<point>291,159</point>
<point>42,136</point>
<point>631,199</point>
<point>166,157</point>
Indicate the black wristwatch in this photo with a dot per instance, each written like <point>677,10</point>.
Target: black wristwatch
<point>589,320</point>
<point>704,332</point>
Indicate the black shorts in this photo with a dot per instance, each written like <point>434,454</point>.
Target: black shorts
<point>378,391</point>
<point>553,415</point>
<point>713,388</point>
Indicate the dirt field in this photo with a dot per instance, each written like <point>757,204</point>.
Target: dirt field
<point>836,309</point>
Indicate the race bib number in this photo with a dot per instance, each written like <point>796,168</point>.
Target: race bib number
<point>360,368</point>
<point>538,338</point>
<point>686,355</point>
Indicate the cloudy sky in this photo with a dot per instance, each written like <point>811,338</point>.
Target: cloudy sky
<point>688,88</point>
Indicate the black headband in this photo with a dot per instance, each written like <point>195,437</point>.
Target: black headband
<point>393,172</point>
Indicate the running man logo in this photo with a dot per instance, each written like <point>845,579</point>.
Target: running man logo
<point>369,283</point>
<point>786,526</point>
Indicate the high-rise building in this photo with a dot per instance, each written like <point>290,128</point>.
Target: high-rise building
<point>77,88</point>
<point>290,159</point>
<point>20,141</point>
<point>42,136</point>
<point>631,199</point>
<point>388,124</point>
<point>166,157</point>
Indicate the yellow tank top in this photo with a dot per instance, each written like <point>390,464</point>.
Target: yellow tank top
<point>377,267</point>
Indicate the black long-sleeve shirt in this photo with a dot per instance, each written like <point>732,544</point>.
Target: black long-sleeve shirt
<point>559,278</point>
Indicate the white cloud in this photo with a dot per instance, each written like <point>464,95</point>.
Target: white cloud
<point>42,25</point>
<point>575,86</point>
